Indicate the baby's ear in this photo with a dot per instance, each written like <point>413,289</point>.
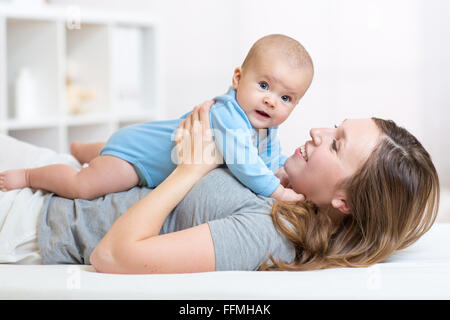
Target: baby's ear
<point>236,77</point>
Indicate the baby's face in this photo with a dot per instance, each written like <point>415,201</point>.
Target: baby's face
<point>268,89</point>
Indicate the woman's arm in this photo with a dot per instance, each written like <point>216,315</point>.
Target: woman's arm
<point>133,244</point>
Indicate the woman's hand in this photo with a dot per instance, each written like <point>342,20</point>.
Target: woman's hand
<point>195,145</point>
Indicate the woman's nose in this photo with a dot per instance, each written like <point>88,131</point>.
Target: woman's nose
<point>318,134</point>
<point>315,135</point>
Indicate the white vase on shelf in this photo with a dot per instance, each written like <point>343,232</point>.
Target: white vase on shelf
<point>25,95</point>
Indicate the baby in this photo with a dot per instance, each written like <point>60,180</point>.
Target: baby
<point>273,77</point>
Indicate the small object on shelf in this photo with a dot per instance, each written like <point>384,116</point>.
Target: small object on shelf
<point>78,98</point>
<point>25,106</point>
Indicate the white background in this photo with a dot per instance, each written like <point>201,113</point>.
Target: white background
<point>385,58</point>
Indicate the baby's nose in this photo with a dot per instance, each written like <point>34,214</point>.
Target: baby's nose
<point>269,101</point>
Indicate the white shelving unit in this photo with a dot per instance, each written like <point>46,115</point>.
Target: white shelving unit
<point>116,58</point>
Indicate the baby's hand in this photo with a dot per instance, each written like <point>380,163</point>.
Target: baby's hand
<point>287,195</point>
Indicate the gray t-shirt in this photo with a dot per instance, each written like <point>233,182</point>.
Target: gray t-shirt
<point>239,220</point>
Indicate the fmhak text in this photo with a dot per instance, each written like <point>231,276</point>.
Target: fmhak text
<point>246,309</point>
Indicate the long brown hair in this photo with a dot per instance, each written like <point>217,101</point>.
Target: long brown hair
<point>393,199</point>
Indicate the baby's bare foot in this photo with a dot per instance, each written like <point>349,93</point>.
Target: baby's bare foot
<point>80,150</point>
<point>75,149</point>
<point>13,179</point>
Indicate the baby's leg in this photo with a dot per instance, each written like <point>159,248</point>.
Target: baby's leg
<point>105,174</point>
<point>85,152</point>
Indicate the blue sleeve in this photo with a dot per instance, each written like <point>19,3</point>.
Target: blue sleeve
<point>270,150</point>
<point>282,160</point>
<point>233,136</point>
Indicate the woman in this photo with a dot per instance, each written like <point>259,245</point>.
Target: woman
<point>370,186</point>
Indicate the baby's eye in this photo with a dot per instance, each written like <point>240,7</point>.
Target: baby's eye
<point>263,85</point>
<point>286,98</point>
<point>335,126</point>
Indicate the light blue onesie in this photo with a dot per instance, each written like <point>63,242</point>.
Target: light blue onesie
<point>150,147</point>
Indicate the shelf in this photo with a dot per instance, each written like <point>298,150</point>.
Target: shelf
<point>19,124</point>
<point>79,120</point>
<point>133,68</point>
<point>89,133</point>
<point>32,47</point>
<point>87,60</point>
<point>65,77</point>
<point>48,137</point>
<point>64,13</point>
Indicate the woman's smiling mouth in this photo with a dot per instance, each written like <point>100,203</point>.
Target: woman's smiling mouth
<point>301,152</point>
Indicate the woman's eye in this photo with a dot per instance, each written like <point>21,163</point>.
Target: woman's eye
<point>263,85</point>
<point>334,145</point>
<point>286,98</point>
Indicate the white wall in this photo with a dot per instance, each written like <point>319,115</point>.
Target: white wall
<point>199,46</point>
<point>435,83</point>
<point>382,58</point>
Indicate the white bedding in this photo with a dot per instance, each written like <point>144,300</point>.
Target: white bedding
<point>16,154</point>
<point>421,271</point>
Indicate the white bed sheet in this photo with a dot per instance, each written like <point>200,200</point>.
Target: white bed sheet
<point>421,271</point>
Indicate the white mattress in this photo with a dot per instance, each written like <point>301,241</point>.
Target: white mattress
<point>421,271</point>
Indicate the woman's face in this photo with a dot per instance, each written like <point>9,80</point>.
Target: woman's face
<point>333,154</point>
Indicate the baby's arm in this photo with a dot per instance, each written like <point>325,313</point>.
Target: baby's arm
<point>233,137</point>
<point>271,151</point>
<point>274,160</point>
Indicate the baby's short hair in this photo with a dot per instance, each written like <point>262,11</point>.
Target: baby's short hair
<point>295,53</point>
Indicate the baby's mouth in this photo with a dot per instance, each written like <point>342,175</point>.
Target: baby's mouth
<point>262,113</point>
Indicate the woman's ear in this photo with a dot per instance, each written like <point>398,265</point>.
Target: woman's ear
<point>339,202</point>
<point>236,77</point>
